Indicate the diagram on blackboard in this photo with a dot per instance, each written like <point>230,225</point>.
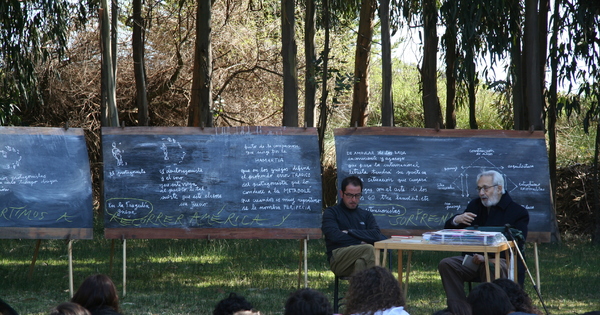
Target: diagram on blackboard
<point>172,150</point>
<point>116,153</point>
<point>11,157</point>
<point>479,164</point>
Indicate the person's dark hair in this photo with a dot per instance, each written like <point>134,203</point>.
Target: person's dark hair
<point>351,180</point>
<point>459,307</point>
<point>69,308</point>
<point>232,304</point>
<point>5,309</point>
<point>443,312</point>
<point>489,299</point>
<point>372,290</point>
<point>97,292</point>
<point>517,296</point>
<point>307,302</point>
<point>592,313</point>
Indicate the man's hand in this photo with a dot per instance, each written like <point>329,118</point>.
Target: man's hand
<point>478,259</point>
<point>465,218</point>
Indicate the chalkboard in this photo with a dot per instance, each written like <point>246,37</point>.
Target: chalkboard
<point>45,184</point>
<point>415,179</point>
<point>183,182</point>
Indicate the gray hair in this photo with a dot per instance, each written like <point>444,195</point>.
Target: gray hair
<point>497,178</point>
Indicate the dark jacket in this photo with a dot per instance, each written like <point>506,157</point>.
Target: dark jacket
<point>505,212</point>
<point>359,223</point>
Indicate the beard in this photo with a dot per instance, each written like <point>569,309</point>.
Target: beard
<point>491,200</point>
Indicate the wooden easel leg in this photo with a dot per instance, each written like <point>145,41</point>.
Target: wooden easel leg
<point>34,259</point>
<point>112,255</point>
<point>300,250</point>
<point>305,263</point>
<point>124,267</point>
<point>537,266</point>
<point>70,250</point>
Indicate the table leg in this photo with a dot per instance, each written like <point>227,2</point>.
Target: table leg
<point>497,265</point>
<point>385,252</point>
<point>487,266</point>
<point>405,291</point>
<point>400,258</point>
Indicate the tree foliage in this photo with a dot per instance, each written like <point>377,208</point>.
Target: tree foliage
<point>31,32</point>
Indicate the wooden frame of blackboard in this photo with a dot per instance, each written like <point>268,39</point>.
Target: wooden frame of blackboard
<point>533,236</point>
<point>217,232</point>
<point>67,147</point>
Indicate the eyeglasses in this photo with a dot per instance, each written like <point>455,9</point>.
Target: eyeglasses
<point>352,196</point>
<point>485,188</point>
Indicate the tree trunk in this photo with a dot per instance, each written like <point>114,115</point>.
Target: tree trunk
<point>290,74</point>
<point>360,96</point>
<point>552,115</point>
<point>387,101</point>
<point>471,84</point>
<point>201,99</point>
<point>450,40</point>
<point>533,91</point>
<point>114,19</point>
<point>139,67</point>
<point>431,106</point>
<point>519,117</point>
<point>596,179</point>
<point>110,116</point>
<point>310,80</point>
<point>324,92</point>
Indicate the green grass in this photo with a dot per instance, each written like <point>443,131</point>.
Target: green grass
<point>191,276</point>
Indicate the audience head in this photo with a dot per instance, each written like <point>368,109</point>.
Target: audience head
<point>592,313</point>
<point>69,308</point>
<point>519,299</point>
<point>371,290</point>
<point>489,299</point>
<point>307,302</point>
<point>459,307</point>
<point>233,304</point>
<point>97,292</point>
<point>5,309</point>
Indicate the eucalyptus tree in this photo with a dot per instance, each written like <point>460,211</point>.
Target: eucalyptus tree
<point>139,63</point>
<point>201,96</point>
<point>31,32</point>
<point>290,73</point>
<point>448,12</point>
<point>362,59</point>
<point>575,57</point>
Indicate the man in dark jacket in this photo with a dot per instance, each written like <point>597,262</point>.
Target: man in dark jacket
<point>350,231</point>
<point>494,207</point>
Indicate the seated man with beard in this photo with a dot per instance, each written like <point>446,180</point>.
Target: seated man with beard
<point>493,207</point>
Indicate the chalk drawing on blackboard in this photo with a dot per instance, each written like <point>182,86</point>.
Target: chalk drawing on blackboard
<point>172,150</point>
<point>477,164</point>
<point>12,157</point>
<point>116,153</point>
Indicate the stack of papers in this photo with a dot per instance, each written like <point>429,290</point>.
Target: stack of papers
<point>465,237</point>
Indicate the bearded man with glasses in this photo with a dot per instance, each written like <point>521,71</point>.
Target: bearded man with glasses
<point>350,231</point>
<point>493,207</point>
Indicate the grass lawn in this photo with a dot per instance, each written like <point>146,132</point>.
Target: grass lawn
<point>191,276</point>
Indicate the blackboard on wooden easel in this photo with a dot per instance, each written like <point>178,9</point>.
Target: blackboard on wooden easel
<point>415,179</point>
<point>183,182</point>
<point>45,184</point>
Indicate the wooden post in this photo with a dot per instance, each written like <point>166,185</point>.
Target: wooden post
<point>70,250</point>
<point>537,266</point>
<point>306,262</point>
<point>124,266</point>
<point>34,259</point>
